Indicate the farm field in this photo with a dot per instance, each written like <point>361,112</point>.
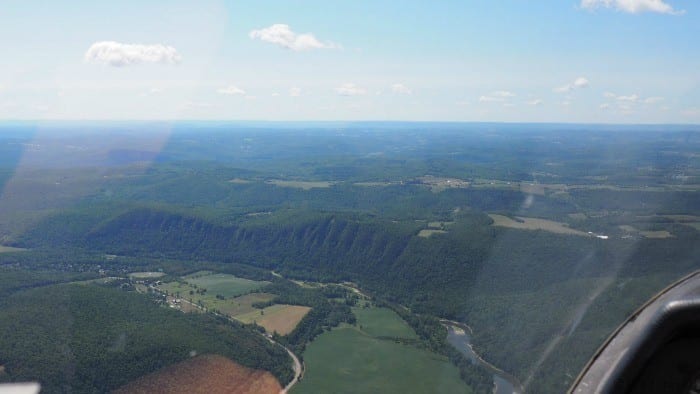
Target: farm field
<point>439,225</point>
<point>426,233</point>
<point>223,284</point>
<point>243,304</point>
<point>304,185</point>
<point>205,374</point>
<point>9,249</point>
<point>146,275</point>
<point>215,284</point>
<point>359,358</point>
<point>278,318</point>
<point>382,322</point>
<point>695,225</point>
<point>534,224</point>
<point>656,234</point>
<point>348,360</point>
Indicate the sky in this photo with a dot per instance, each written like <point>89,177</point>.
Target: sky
<point>580,61</point>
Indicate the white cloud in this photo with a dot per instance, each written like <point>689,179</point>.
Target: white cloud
<point>631,98</point>
<point>350,89</point>
<point>605,106</point>
<point>496,96</point>
<point>462,103</point>
<point>280,34</point>
<point>581,82</point>
<point>503,93</point>
<point>578,83</point>
<point>695,111</point>
<point>275,94</point>
<point>653,100</point>
<point>151,92</point>
<point>489,99</point>
<point>195,105</point>
<point>535,102</point>
<point>399,88</point>
<point>632,6</point>
<point>232,90</point>
<point>294,92</point>
<point>120,55</point>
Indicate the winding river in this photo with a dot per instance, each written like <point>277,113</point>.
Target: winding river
<point>459,337</point>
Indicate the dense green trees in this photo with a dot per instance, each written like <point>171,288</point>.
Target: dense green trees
<point>87,338</point>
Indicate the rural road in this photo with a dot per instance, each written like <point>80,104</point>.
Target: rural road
<point>298,367</point>
<point>298,370</point>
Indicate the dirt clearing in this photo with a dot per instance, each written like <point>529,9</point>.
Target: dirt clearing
<point>205,374</point>
<point>282,319</point>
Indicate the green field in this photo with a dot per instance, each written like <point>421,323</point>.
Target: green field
<point>243,304</point>
<point>351,359</point>
<point>146,275</point>
<point>428,232</point>
<point>304,185</point>
<point>347,360</point>
<point>225,284</point>
<point>382,322</point>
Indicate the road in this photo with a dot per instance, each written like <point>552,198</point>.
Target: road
<point>298,369</point>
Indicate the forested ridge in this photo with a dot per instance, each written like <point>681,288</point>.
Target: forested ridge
<point>503,282</point>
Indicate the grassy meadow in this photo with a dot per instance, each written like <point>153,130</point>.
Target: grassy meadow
<point>350,359</point>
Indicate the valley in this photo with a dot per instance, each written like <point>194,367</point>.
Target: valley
<point>541,241</point>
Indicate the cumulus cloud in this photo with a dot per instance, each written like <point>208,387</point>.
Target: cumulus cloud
<point>653,100</point>
<point>578,83</point>
<point>695,111</point>
<point>350,89</point>
<point>535,102</point>
<point>626,104</point>
<point>294,92</point>
<point>231,90</point>
<point>280,34</point>
<point>631,98</point>
<point>119,55</point>
<point>151,92</point>
<point>400,88</point>
<point>496,96</point>
<point>195,105</point>
<point>503,93</point>
<point>275,94</point>
<point>632,6</point>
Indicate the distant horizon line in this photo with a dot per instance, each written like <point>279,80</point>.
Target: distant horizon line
<point>258,121</point>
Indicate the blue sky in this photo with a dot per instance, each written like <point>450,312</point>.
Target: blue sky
<point>610,61</point>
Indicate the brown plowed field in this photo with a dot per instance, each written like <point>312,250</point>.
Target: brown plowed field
<point>210,374</point>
